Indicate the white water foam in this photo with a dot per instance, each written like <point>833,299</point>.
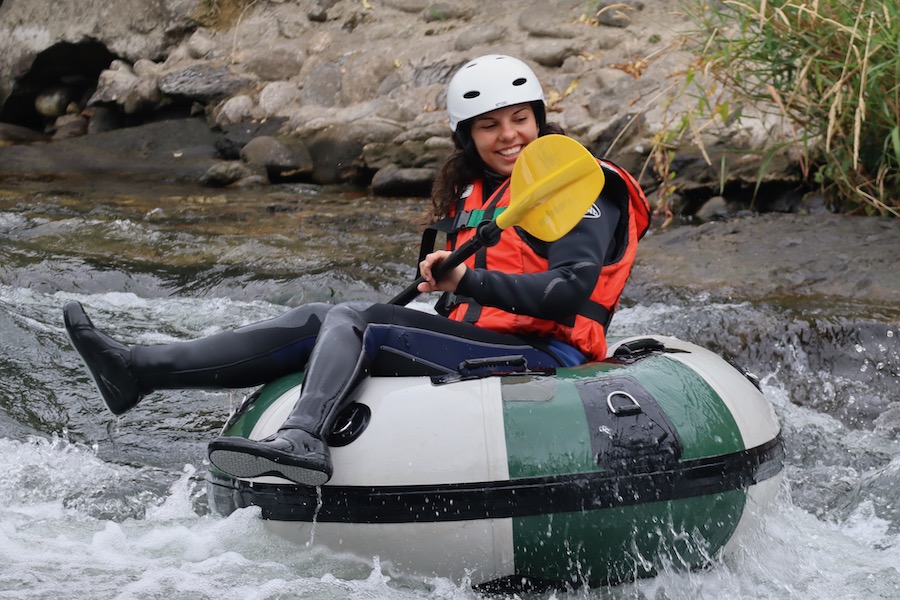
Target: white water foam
<point>75,526</point>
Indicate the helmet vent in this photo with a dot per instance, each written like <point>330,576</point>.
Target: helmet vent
<point>472,94</point>
<point>519,81</point>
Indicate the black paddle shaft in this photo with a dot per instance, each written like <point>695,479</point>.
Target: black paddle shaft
<point>487,234</point>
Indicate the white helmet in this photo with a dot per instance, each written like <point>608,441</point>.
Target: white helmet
<point>490,82</point>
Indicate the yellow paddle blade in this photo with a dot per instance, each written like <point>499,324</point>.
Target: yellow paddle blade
<point>554,182</point>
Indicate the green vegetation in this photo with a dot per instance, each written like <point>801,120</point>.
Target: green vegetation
<point>826,69</point>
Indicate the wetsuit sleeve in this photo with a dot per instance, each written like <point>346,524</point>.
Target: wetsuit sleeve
<point>574,263</point>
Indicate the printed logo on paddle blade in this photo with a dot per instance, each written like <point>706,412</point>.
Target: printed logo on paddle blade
<point>593,212</point>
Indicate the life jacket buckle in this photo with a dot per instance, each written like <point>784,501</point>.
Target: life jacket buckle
<point>462,220</point>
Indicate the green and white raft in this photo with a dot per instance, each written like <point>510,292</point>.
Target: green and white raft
<point>658,457</point>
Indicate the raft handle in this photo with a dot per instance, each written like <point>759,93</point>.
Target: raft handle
<point>492,366</point>
<point>350,424</point>
<point>517,361</point>
<point>631,407</point>
<point>634,349</point>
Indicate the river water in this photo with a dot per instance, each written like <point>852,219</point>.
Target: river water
<point>96,507</point>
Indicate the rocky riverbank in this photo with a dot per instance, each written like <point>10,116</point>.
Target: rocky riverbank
<point>246,93</point>
<point>341,91</point>
<point>793,260</point>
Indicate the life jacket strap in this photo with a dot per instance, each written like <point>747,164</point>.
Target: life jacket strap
<point>463,219</point>
<point>473,218</point>
<point>596,312</point>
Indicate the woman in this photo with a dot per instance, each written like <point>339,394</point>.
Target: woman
<point>549,303</point>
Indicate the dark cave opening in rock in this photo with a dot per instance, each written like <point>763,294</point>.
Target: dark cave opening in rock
<point>63,76</point>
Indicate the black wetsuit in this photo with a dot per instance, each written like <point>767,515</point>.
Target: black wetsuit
<point>339,345</point>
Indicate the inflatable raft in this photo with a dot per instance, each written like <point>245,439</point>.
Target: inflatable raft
<point>658,457</point>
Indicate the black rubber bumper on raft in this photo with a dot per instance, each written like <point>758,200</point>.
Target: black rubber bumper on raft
<point>500,499</point>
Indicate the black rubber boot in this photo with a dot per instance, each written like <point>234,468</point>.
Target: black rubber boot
<point>291,453</point>
<point>298,451</point>
<point>243,357</point>
<point>239,358</point>
<point>108,361</point>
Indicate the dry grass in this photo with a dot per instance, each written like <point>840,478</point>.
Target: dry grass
<point>828,69</point>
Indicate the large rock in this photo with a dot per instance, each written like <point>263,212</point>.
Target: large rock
<point>336,150</point>
<point>323,84</point>
<point>177,151</point>
<point>273,62</point>
<point>134,29</point>
<point>712,259</point>
<point>281,159</point>
<point>403,182</point>
<point>134,89</point>
<point>362,75</point>
<point>203,82</point>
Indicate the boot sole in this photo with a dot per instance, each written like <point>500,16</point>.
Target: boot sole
<point>242,464</point>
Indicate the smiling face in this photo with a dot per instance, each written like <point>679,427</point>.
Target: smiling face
<point>501,134</point>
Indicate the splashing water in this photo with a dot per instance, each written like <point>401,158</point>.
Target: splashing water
<point>95,507</point>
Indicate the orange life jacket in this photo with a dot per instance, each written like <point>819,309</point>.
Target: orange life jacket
<point>587,331</point>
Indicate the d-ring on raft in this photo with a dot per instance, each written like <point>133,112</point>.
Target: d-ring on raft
<point>661,455</point>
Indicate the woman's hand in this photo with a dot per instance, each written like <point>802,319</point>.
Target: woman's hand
<point>448,283</point>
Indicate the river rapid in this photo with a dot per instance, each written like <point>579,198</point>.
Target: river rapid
<point>96,507</point>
